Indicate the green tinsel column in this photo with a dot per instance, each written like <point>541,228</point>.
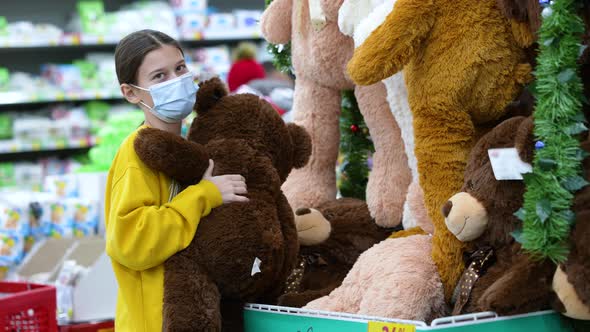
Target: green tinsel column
<point>547,215</point>
<point>355,149</point>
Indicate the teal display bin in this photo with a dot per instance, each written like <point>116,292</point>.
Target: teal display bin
<point>265,318</point>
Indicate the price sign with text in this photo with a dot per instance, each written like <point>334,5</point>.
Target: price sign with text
<point>390,327</point>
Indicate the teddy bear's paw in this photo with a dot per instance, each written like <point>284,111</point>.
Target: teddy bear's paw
<point>307,188</point>
<point>386,193</point>
<point>568,298</point>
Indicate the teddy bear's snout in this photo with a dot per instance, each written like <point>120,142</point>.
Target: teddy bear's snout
<point>465,217</point>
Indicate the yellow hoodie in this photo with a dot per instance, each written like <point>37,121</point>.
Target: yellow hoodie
<point>143,229</point>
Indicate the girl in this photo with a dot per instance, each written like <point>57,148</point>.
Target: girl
<point>145,222</point>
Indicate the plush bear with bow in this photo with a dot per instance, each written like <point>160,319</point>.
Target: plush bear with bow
<point>331,237</point>
<point>499,276</point>
<point>242,252</point>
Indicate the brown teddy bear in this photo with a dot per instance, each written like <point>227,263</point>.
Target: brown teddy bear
<point>332,237</point>
<point>242,252</point>
<point>499,276</point>
<point>463,63</point>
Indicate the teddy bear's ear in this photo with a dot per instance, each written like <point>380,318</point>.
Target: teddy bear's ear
<point>524,140</point>
<point>210,93</point>
<point>301,145</point>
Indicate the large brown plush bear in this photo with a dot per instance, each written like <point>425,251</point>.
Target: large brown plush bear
<point>499,276</point>
<point>332,237</point>
<point>463,63</point>
<point>241,251</point>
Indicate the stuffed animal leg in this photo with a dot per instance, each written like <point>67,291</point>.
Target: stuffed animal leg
<point>390,177</point>
<point>320,69</point>
<point>358,18</point>
<point>395,278</point>
<point>193,304</point>
<point>317,109</point>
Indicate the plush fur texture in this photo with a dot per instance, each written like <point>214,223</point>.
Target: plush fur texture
<point>243,135</point>
<point>353,231</point>
<point>319,60</point>
<point>358,18</point>
<point>514,283</point>
<point>462,66</point>
<point>395,278</point>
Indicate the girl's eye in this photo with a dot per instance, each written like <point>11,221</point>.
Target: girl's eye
<point>158,76</point>
<point>181,68</point>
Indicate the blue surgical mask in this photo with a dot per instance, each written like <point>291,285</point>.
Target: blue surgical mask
<point>173,99</point>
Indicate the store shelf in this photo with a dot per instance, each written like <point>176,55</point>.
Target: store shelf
<point>79,40</point>
<point>17,97</point>
<point>11,150</point>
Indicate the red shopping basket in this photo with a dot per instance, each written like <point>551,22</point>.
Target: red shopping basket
<point>27,307</point>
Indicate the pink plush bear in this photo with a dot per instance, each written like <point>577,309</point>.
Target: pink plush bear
<point>320,53</point>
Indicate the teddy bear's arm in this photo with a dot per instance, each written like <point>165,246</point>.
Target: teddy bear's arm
<point>393,43</point>
<point>182,160</point>
<point>276,21</point>
<point>523,288</point>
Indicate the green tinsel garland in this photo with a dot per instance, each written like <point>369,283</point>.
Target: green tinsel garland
<point>355,147</point>
<point>546,214</point>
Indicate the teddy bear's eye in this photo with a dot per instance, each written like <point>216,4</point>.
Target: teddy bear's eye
<point>470,185</point>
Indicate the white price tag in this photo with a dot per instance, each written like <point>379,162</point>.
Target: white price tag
<point>507,165</point>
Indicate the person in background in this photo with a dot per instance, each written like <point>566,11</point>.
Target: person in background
<point>274,79</point>
<point>245,67</point>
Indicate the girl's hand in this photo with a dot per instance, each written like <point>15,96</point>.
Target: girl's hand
<point>231,186</point>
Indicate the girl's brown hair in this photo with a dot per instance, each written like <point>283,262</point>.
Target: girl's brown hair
<point>132,49</point>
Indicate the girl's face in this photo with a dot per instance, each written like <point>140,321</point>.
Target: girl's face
<point>159,65</point>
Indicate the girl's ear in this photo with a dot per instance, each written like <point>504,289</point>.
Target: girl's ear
<point>129,93</point>
<point>209,94</point>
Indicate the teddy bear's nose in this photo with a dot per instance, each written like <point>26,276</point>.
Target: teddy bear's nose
<point>302,211</point>
<point>446,209</point>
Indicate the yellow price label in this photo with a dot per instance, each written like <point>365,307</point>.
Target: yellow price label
<point>390,327</point>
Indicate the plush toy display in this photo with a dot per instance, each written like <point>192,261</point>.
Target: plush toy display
<point>498,277</point>
<point>319,55</point>
<point>358,18</point>
<point>395,278</point>
<point>462,65</point>
<point>331,238</point>
<point>242,251</point>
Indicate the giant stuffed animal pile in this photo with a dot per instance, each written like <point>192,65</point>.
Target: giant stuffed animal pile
<point>440,83</point>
